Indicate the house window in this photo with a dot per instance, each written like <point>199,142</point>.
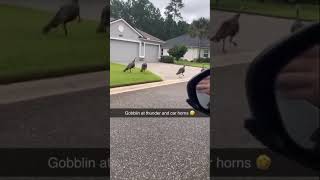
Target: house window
<point>161,52</point>
<point>206,53</point>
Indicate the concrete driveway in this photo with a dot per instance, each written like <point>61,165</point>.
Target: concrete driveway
<point>168,71</point>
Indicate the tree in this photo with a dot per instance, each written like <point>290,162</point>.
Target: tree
<point>143,15</point>
<point>199,29</point>
<point>116,8</point>
<point>178,51</point>
<point>174,8</point>
<point>140,14</point>
<point>182,28</point>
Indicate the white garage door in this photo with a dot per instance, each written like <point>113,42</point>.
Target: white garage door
<point>152,53</point>
<point>123,51</point>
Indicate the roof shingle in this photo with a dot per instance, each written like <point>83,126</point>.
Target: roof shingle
<point>186,40</point>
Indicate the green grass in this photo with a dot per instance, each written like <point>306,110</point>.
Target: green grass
<point>119,78</point>
<point>193,64</point>
<point>269,8</point>
<point>28,54</point>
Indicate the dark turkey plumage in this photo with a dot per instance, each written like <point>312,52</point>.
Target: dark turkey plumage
<point>229,28</point>
<point>181,71</point>
<point>65,14</point>
<point>144,67</point>
<point>130,66</point>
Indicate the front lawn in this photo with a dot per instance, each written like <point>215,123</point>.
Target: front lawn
<point>193,64</point>
<point>119,78</point>
<point>268,8</point>
<point>27,54</point>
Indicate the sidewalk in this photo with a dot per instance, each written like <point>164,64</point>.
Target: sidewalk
<point>47,87</point>
<point>125,89</point>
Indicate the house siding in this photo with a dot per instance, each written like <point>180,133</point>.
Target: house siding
<point>122,51</point>
<point>128,44</point>
<point>191,54</point>
<point>152,53</point>
<point>128,33</point>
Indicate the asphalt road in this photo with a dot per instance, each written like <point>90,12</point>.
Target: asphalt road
<point>71,120</point>
<point>77,120</point>
<point>158,148</point>
<point>171,96</point>
<point>230,109</point>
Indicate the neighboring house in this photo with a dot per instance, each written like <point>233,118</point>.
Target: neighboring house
<point>127,43</point>
<point>192,45</point>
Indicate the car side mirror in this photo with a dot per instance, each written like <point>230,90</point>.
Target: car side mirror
<point>284,97</point>
<point>198,89</point>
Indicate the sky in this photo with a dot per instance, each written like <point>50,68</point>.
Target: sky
<point>193,9</point>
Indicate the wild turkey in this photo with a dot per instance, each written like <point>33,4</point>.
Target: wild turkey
<point>181,71</point>
<point>229,28</point>
<point>144,67</point>
<point>104,20</point>
<point>65,14</point>
<point>298,24</point>
<point>130,66</point>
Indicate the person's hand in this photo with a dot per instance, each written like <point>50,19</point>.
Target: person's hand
<point>300,78</point>
<point>204,86</point>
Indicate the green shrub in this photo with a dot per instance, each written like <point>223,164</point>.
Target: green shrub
<point>167,59</point>
<point>178,51</point>
<point>203,60</point>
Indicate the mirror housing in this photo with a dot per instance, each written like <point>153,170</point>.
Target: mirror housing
<point>266,123</point>
<point>193,99</point>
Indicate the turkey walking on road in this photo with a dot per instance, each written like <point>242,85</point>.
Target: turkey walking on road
<point>130,66</point>
<point>65,14</point>
<point>298,24</point>
<point>144,67</point>
<point>229,28</point>
<point>181,71</point>
<point>102,28</point>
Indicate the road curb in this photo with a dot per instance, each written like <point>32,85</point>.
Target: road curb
<point>125,89</point>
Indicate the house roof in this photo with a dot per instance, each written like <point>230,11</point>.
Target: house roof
<point>148,36</point>
<point>145,36</point>
<point>186,40</point>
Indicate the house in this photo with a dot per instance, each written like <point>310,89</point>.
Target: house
<point>127,43</point>
<point>191,43</point>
